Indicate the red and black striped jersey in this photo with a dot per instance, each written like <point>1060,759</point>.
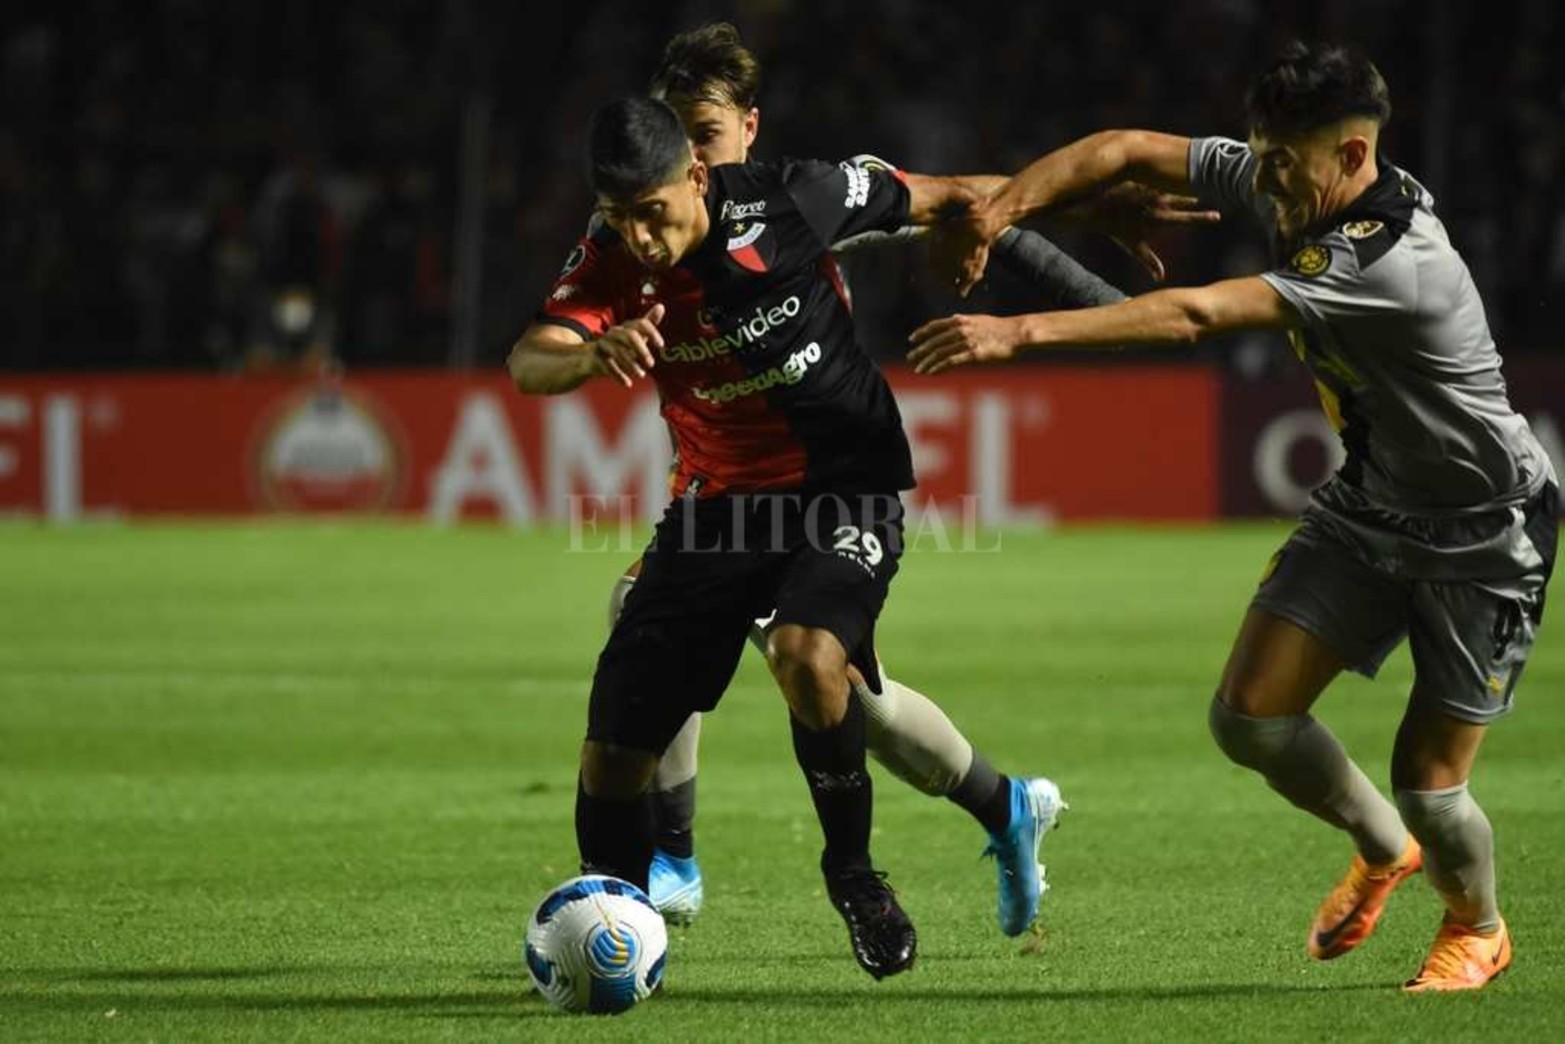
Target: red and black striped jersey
<point>761,377</point>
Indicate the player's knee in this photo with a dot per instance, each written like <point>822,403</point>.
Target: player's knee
<point>805,657</point>
<point>1432,814</point>
<point>1244,696</point>
<point>615,773</point>
<point>1253,742</point>
<point>810,668</point>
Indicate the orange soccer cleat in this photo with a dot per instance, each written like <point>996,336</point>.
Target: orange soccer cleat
<point>1348,915</point>
<point>1462,959</point>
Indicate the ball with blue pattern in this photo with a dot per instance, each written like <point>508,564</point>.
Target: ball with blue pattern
<point>595,945</point>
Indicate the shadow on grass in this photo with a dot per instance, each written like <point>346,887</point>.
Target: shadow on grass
<point>519,1003</point>
<point>828,998</point>
<point>461,1003</point>
<point>228,989</point>
<point>135,975</point>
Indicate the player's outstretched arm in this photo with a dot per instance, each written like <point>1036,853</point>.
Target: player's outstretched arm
<point>1062,177</point>
<point>1177,316</point>
<point>1061,280</point>
<point>1131,213</point>
<point>967,189</point>
<point>933,198</point>
<point>550,358</point>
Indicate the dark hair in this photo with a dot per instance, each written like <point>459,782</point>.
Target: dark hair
<point>708,63</point>
<point>634,144</point>
<point>1306,88</point>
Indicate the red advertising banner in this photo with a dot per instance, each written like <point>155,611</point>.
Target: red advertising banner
<point>1277,446</point>
<point>1023,445</point>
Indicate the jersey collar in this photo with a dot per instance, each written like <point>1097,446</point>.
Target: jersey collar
<point>1390,200</point>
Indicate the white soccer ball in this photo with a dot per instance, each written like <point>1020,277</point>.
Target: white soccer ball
<point>596,944</point>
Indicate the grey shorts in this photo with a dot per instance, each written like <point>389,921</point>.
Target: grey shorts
<point>1466,593</point>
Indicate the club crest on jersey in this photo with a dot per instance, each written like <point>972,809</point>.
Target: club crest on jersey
<point>1311,260</point>
<point>742,240</point>
<point>1362,229</point>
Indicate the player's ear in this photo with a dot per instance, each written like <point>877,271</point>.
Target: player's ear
<point>698,176</point>
<point>1354,153</point>
<point>752,126</point>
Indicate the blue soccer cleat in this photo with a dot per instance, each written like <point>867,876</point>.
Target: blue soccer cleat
<point>674,883</point>
<point>1035,810</point>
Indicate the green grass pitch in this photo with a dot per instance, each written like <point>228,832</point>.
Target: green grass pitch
<point>305,781</point>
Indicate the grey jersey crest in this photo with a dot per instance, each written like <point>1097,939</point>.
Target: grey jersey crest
<point>1394,332</point>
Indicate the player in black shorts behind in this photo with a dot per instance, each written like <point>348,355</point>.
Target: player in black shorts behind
<point>791,460</point>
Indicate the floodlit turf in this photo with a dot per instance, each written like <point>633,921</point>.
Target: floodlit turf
<point>296,781</point>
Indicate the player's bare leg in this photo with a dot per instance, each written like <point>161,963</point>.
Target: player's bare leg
<point>810,666</point>
<point>1261,720</point>
<point>1429,770</point>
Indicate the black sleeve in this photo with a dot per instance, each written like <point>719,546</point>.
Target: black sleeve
<point>1061,278</point>
<point>844,200</point>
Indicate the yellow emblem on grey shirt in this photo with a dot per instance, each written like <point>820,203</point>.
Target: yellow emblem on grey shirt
<point>1362,229</point>
<point>1311,260</point>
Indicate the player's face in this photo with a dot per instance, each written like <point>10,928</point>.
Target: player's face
<point>719,133</point>
<point>664,223</point>
<point>1303,174</point>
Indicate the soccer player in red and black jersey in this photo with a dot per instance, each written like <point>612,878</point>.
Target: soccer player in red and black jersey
<point>717,285</point>
<point>712,81</point>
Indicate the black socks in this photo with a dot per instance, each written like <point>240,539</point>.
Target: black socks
<point>833,764</point>
<point>614,837</point>
<point>675,813</point>
<point>986,794</point>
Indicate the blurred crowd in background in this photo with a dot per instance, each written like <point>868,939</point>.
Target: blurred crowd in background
<point>249,185</point>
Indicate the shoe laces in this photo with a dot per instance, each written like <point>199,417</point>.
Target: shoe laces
<point>1360,876</point>
<point>1348,891</point>
<point>863,889</point>
<point>1452,955</point>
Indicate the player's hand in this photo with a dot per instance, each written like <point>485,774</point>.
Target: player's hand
<point>1130,213</point>
<point>960,250</point>
<point>961,339</point>
<point>625,352</point>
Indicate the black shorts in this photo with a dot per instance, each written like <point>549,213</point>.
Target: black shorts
<point>822,560</point>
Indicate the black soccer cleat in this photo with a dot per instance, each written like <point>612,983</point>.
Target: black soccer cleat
<point>884,940</point>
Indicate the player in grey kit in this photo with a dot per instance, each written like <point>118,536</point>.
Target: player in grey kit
<point>1441,525</point>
